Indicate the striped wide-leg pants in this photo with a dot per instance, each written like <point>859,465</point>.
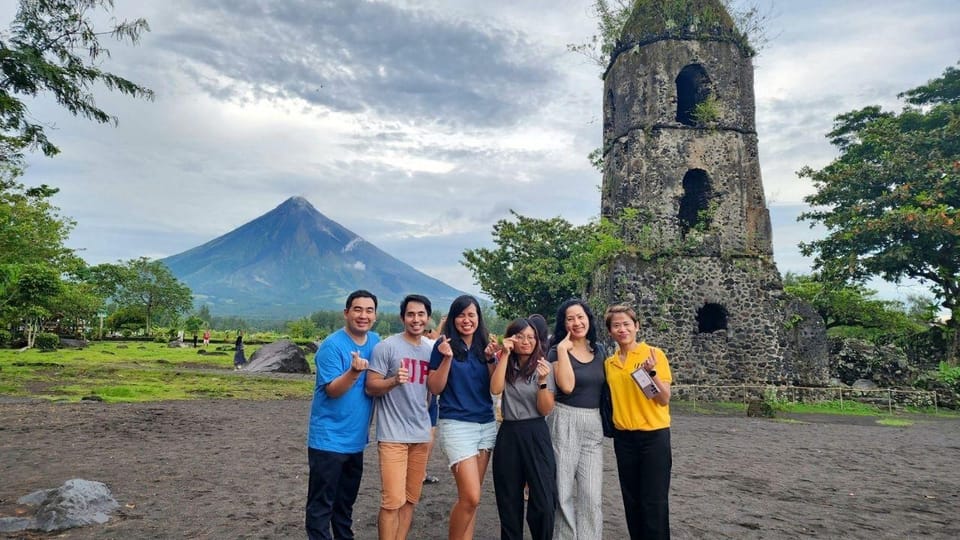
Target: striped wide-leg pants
<point>577,436</point>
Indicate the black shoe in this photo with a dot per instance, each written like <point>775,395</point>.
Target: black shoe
<point>431,480</point>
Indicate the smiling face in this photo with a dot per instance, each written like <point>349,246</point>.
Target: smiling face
<point>360,316</point>
<point>467,321</point>
<point>415,319</point>
<point>576,322</point>
<point>525,341</point>
<point>623,329</point>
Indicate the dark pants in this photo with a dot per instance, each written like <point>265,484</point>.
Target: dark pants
<point>333,487</point>
<point>524,455</point>
<point>643,463</point>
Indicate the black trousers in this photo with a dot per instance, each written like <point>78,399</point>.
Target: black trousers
<point>644,461</point>
<point>331,492</point>
<point>524,455</point>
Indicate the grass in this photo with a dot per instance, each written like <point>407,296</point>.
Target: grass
<point>847,408</point>
<point>137,371</point>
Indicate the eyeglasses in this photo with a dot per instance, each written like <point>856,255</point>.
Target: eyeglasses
<point>524,338</point>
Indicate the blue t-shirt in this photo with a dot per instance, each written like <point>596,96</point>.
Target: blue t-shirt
<point>467,394</point>
<point>340,424</point>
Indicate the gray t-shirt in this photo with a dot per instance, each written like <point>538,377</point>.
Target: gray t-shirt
<point>402,413</point>
<point>520,397</point>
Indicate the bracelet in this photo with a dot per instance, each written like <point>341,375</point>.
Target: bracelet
<point>543,386</point>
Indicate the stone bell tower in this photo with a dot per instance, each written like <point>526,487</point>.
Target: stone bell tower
<point>682,186</point>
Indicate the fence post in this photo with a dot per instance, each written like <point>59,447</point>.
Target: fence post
<point>890,401</point>
<point>840,390</point>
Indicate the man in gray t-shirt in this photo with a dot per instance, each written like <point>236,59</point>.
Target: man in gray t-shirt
<point>397,378</point>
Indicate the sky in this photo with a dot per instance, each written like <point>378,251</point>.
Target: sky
<point>419,124</point>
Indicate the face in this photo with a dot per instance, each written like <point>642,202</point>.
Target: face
<point>622,329</point>
<point>576,322</point>
<point>415,319</point>
<point>466,322</point>
<point>360,316</point>
<point>525,341</point>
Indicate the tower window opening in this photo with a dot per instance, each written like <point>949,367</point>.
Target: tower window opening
<point>695,201</point>
<point>711,317</point>
<point>693,88</point>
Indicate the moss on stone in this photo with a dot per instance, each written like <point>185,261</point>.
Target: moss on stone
<point>652,20</point>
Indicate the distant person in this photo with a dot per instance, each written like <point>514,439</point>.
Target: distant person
<point>434,333</point>
<point>206,338</point>
<point>641,437</point>
<point>397,377</point>
<point>460,367</point>
<point>238,358</point>
<point>194,339</point>
<point>524,454</point>
<point>339,420</point>
<point>575,426</point>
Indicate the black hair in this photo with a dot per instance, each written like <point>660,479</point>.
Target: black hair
<point>415,298</point>
<point>539,322</point>
<point>361,293</point>
<point>514,369</point>
<point>480,336</point>
<point>560,328</point>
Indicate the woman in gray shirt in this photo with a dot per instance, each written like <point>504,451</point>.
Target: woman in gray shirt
<point>523,452</point>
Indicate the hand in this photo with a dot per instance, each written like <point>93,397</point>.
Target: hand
<point>543,370</point>
<point>565,344</point>
<point>649,364</point>
<point>444,348</point>
<point>493,348</point>
<point>508,345</point>
<point>356,363</point>
<point>403,376</point>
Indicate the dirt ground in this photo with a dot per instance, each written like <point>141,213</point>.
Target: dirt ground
<point>237,469</point>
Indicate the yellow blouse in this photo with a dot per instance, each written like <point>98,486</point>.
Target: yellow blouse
<point>633,411</point>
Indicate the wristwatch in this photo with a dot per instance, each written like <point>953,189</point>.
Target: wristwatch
<point>652,373</point>
<point>543,386</point>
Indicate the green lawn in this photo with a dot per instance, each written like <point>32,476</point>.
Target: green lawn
<point>137,371</point>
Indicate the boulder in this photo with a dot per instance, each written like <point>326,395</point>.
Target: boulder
<point>760,409</point>
<point>68,343</point>
<point>76,503</point>
<point>885,365</point>
<point>282,356</point>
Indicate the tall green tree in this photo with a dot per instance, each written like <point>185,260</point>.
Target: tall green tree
<point>32,230</point>
<point>145,285</point>
<point>539,263</point>
<point>27,292</point>
<point>53,47</point>
<point>891,201</point>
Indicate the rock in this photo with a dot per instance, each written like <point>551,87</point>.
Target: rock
<point>68,343</point>
<point>885,365</point>
<point>178,345</point>
<point>282,356</point>
<point>91,397</point>
<point>76,503</point>
<point>760,409</point>
<point>864,384</point>
<point>311,348</point>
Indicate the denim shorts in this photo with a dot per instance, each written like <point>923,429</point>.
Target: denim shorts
<point>462,440</point>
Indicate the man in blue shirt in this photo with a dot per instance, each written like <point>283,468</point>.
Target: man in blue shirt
<point>340,420</point>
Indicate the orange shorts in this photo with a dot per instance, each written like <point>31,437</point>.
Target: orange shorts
<point>403,467</point>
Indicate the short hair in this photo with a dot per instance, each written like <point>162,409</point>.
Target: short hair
<point>415,298</point>
<point>361,293</point>
<point>617,309</point>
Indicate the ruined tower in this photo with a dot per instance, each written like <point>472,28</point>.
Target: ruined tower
<point>682,186</point>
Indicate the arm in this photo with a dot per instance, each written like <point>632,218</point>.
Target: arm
<point>378,385</point>
<point>498,376</point>
<point>545,396</point>
<point>348,378</point>
<point>437,379</point>
<point>659,364</point>
<point>563,369</point>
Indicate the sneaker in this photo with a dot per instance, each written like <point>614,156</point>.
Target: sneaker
<point>431,480</point>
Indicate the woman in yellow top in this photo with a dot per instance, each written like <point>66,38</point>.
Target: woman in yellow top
<point>641,439</point>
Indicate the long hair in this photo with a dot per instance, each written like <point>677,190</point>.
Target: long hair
<point>560,328</point>
<point>480,336</point>
<point>514,370</point>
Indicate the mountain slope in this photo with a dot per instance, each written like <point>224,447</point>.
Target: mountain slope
<point>293,261</point>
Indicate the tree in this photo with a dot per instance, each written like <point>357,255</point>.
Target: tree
<point>539,263</point>
<point>26,292</point>
<point>145,284</point>
<point>53,47</point>
<point>891,201</point>
<point>31,228</point>
<point>302,328</point>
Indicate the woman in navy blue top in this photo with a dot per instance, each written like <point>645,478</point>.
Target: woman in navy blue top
<point>460,369</point>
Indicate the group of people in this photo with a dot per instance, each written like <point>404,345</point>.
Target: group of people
<point>559,395</point>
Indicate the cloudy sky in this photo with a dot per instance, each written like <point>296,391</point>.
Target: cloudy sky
<point>419,123</point>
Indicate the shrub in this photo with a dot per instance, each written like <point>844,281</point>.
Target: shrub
<point>46,341</point>
<point>5,338</point>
